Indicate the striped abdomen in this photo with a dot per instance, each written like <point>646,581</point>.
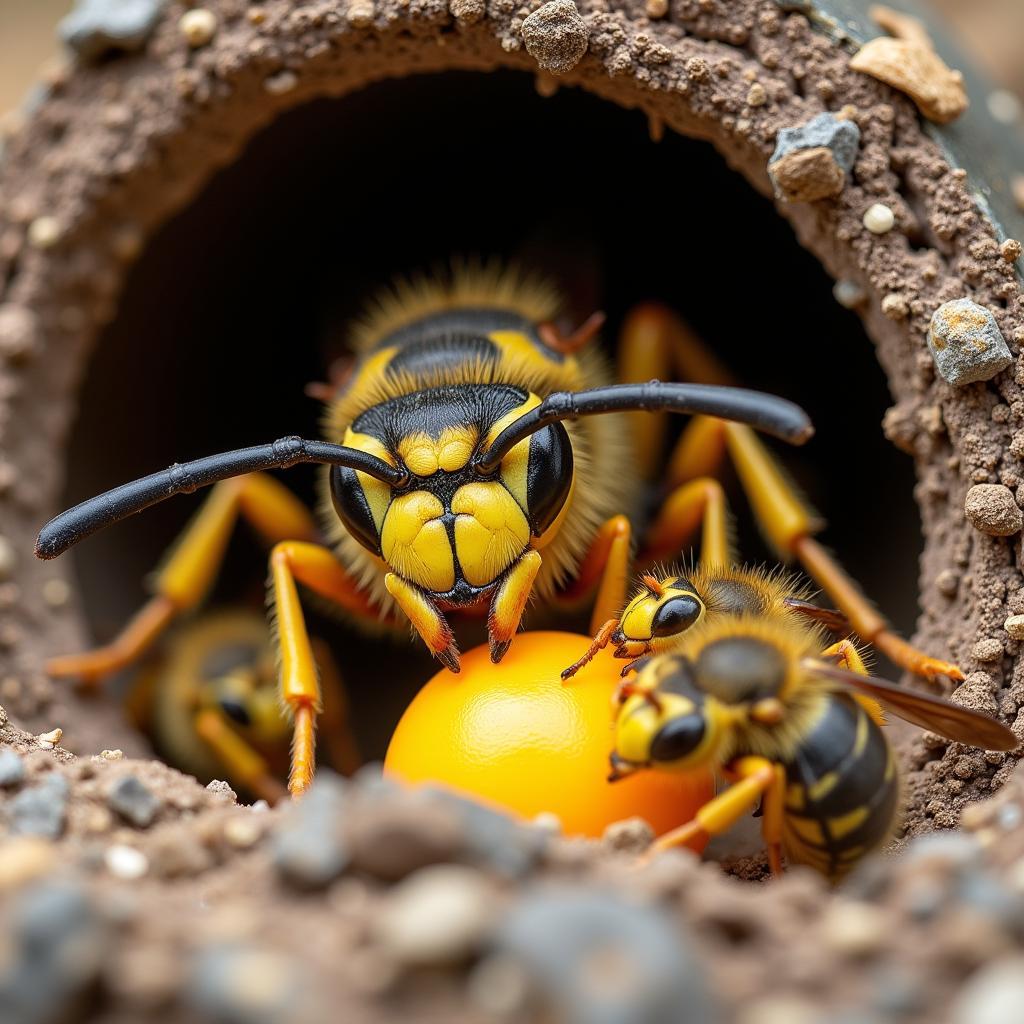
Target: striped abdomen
<point>842,789</point>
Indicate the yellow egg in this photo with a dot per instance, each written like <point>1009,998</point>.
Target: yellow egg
<point>513,735</point>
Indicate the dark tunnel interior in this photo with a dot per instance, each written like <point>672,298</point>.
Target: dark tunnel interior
<point>243,298</point>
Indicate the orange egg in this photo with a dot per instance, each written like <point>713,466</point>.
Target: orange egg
<point>515,736</point>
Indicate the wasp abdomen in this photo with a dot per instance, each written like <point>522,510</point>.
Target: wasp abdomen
<point>842,789</point>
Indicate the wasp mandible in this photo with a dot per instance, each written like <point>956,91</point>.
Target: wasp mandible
<point>471,461</point>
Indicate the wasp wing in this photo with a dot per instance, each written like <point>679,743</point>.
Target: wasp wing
<point>933,713</point>
<point>834,621</point>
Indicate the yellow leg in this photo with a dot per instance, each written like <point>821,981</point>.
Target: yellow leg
<point>755,775</point>
<point>700,502</point>
<point>605,564</point>
<point>773,809</point>
<point>790,525</point>
<point>338,733</point>
<point>426,619</point>
<point>700,451</point>
<point>847,656</point>
<point>244,766</point>
<point>509,602</point>
<point>192,566</point>
<point>317,568</point>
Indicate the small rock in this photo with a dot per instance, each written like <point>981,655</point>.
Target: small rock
<point>950,851</point>
<point>556,36</point>
<point>281,83</point>
<point>592,956</point>
<point>310,849</point>
<point>1003,106</point>
<point>988,649</point>
<point>991,508</point>
<point>1014,625</point>
<point>40,810</point>
<point>198,26</point>
<point>811,161</point>
<point>966,342</point>
<point>95,27</point>
<point>49,740</point>
<point>222,791</point>
<point>242,984</point>
<point>855,929</point>
<point>112,755</point>
<point>1011,250</point>
<point>994,995</point>
<point>879,219</point>
<point>24,859</point>
<point>468,12</point>
<point>437,917</point>
<point>656,8</point>
<point>243,831</point>
<point>56,593</point>
<point>18,337</point>
<point>849,294</point>
<point>633,835</point>
<point>44,232</point>
<point>8,559</point>
<point>909,63</point>
<point>12,768</point>
<point>757,96</point>
<point>130,798</point>
<point>125,862</point>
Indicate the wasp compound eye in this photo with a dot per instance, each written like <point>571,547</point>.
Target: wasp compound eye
<point>352,504</point>
<point>741,669</point>
<point>676,615</point>
<point>548,476</point>
<point>677,738</point>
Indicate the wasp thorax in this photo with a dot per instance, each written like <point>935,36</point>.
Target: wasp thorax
<point>741,669</point>
<point>449,529</point>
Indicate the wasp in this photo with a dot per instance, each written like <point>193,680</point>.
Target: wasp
<point>210,705</point>
<point>670,601</point>
<point>471,461</point>
<point>793,724</point>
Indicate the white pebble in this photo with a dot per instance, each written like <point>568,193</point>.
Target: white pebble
<point>198,26</point>
<point>112,755</point>
<point>56,593</point>
<point>44,232</point>
<point>8,559</point>
<point>879,219</point>
<point>1014,625</point>
<point>126,862</point>
<point>1003,106</point>
<point>48,740</point>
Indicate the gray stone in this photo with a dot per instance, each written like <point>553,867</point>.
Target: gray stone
<point>95,27</point>
<point>57,943</point>
<point>595,958</point>
<point>992,996</point>
<point>841,137</point>
<point>966,343</point>
<point>12,768</point>
<point>134,802</point>
<point>40,810</point>
<point>556,36</point>
<point>309,846</point>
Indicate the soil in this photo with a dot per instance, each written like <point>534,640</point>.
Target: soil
<point>110,152</point>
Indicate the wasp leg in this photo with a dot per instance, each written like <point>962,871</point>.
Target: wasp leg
<point>790,525</point>
<point>847,656</point>
<point>653,343</point>
<point>755,774</point>
<point>317,568</point>
<point>600,642</point>
<point>508,604</point>
<point>192,566</point>
<point>426,619</point>
<point>700,502</point>
<point>607,564</point>
<point>242,763</point>
<point>338,733</point>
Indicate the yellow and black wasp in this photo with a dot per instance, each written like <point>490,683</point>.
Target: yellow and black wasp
<point>793,725</point>
<point>668,602</point>
<point>457,478</point>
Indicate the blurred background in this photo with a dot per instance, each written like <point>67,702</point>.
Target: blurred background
<point>992,30</point>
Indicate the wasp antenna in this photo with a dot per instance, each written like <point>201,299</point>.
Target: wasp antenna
<point>580,338</point>
<point>653,584</point>
<point>67,529</point>
<point>768,413</point>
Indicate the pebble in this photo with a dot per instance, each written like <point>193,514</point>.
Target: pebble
<point>855,929</point>
<point>556,36</point>
<point>1003,106</point>
<point>987,649</point>
<point>49,740</point>
<point>309,848</point>
<point>994,995</point>
<point>8,559</point>
<point>242,831</point>
<point>18,337</point>
<point>95,27</point>
<point>756,95</point>
<point>198,26</point>
<point>41,809</point>
<point>632,835</point>
<point>949,850</point>
<point>44,232</point>
<point>849,294</point>
<point>242,984</point>
<point>130,798</point>
<point>125,862</point>
<point>56,593</point>
<point>437,917</point>
<point>879,219</point>
<point>24,859</point>
<point>991,508</point>
<point>222,791</point>
<point>12,768</point>
<point>468,12</point>
<point>1011,250</point>
<point>966,343</point>
<point>112,755</point>
<point>281,83</point>
<point>656,8</point>
<point>811,160</point>
<point>592,956</point>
